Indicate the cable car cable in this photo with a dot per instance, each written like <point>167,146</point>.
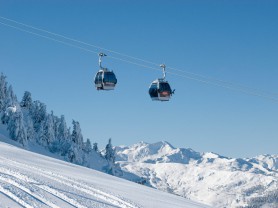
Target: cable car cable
<point>43,36</point>
<point>275,99</point>
<point>209,81</point>
<point>135,58</point>
<point>79,47</point>
<point>78,41</point>
<point>122,54</point>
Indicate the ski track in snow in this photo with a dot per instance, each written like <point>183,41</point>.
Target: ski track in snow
<point>79,186</point>
<point>28,191</point>
<point>12,178</point>
<point>60,195</point>
<point>15,198</point>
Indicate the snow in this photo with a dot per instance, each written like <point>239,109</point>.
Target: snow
<point>266,161</point>
<point>205,177</point>
<point>29,179</point>
<point>11,109</point>
<point>157,152</point>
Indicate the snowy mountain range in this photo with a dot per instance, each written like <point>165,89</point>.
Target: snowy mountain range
<point>205,177</point>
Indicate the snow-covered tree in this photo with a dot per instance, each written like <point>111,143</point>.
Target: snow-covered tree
<point>88,146</point>
<point>30,132</point>
<point>62,129</point>
<point>9,105</point>
<point>26,101</point>
<point>7,99</point>
<point>75,155</point>
<point>63,146</point>
<point>38,114</point>
<point>5,117</point>
<point>109,155</point>
<point>11,97</point>
<point>95,147</point>
<point>41,137</point>
<point>76,135</point>
<point>49,129</point>
<point>109,152</point>
<point>56,123</point>
<point>3,92</point>
<point>46,132</point>
<point>71,154</point>
<point>16,128</point>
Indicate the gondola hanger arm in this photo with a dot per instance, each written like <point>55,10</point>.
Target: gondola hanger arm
<point>164,71</point>
<point>100,55</point>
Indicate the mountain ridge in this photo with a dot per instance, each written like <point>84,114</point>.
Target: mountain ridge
<point>231,182</point>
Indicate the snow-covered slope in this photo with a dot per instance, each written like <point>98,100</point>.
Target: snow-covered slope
<point>29,179</point>
<point>205,177</point>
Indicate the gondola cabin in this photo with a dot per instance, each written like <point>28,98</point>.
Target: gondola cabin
<point>105,80</point>
<point>160,90</point>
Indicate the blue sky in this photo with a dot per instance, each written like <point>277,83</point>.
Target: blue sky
<point>235,41</point>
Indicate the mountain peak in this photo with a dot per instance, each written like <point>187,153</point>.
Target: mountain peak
<point>164,144</point>
<point>157,152</point>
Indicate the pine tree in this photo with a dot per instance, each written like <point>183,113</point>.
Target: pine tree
<point>62,129</point>
<point>88,146</point>
<point>5,117</point>
<point>10,101</point>
<point>76,135</point>
<point>7,99</point>
<point>95,147</point>
<point>3,92</point>
<point>30,132</point>
<point>75,155</point>
<point>46,132</point>
<point>38,114</point>
<point>109,152</point>
<point>49,129</point>
<point>12,96</point>
<point>41,138</point>
<point>26,101</point>
<point>72,154</point>
<point>56,123</point>
<point>110,157</point>
<point>16,128</point>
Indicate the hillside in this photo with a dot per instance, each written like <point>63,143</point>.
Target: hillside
<point>32,127</point>
<point>206,177</point>
<point>29,180</point>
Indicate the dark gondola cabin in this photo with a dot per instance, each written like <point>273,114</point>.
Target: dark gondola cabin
<point>105,80</point>
<point>160,89</point>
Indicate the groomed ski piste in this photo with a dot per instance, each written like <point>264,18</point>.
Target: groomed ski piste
<point>32,180</point>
